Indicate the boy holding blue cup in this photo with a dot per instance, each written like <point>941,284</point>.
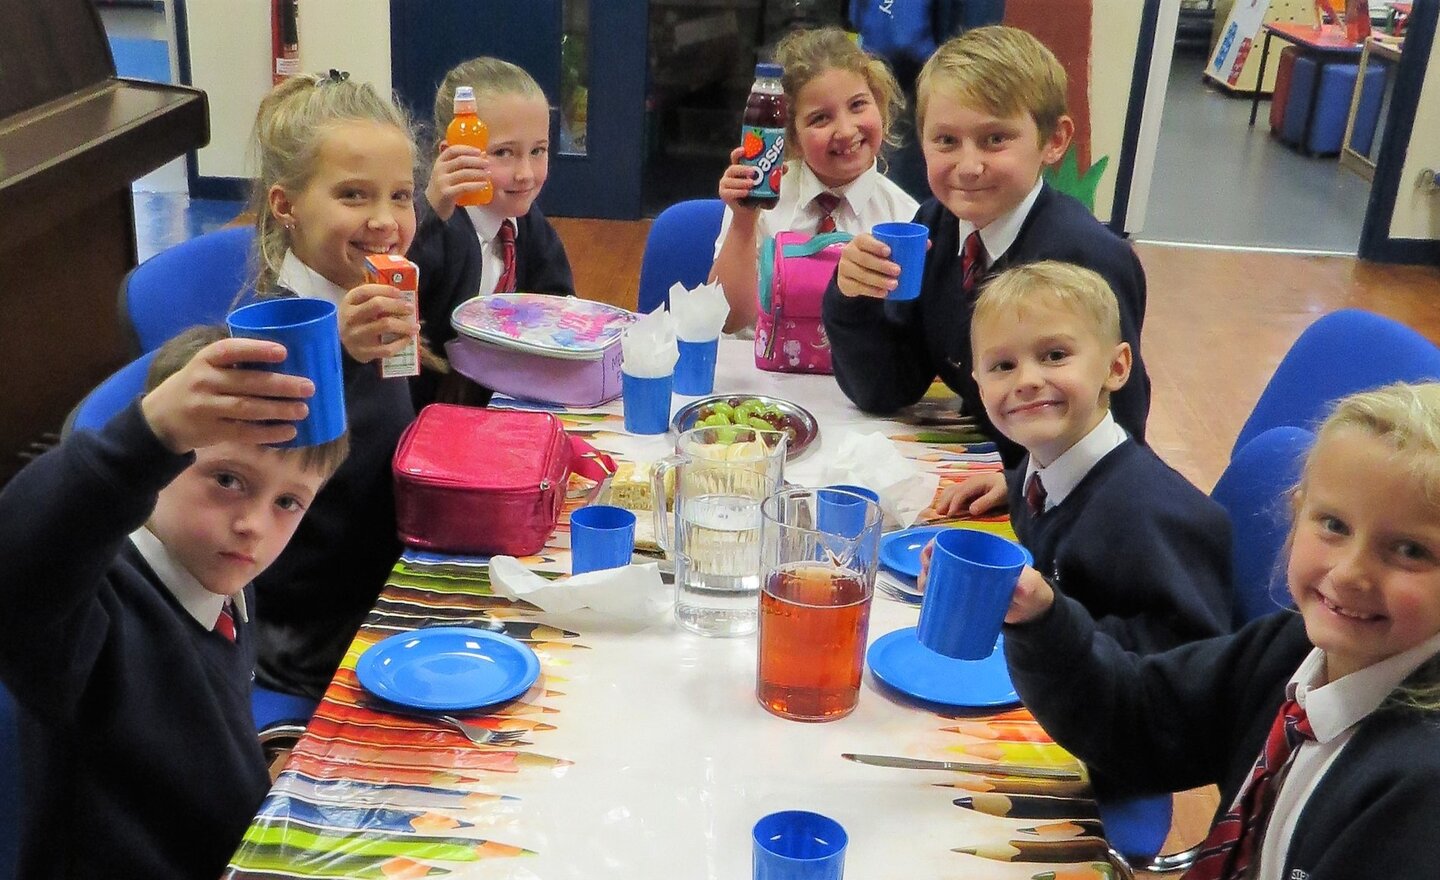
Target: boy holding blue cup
<point>1108,522</point>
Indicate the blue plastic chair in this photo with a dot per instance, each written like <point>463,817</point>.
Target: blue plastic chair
<point>1255,491</point>
<point>680,247</point>
<point>1341,353</point>
<point>194,282</point>
<point>9,786</point>
<point>109,397</point>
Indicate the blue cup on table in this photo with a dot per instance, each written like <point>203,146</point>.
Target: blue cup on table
<point>601,537</point>
<point>646,402</point>
<point>799,845</point>
<point>695,371</point>
<point>971,579</point>
<point>907,248</point>
<point>840,510</point>
<point>310,331</point>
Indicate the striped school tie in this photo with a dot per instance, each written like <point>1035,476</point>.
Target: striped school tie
<point>225,623</point>
<point>1227,852</point>
<point>1035,495</point>
<point>506,284</point>
<point>827,202</point>
<point>972,264</point>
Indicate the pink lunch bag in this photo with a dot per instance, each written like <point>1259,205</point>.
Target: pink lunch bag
<point>795,269</point>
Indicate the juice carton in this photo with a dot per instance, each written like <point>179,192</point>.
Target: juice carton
<point>403,275</point>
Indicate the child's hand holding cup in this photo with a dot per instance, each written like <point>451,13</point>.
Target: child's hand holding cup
<point>969,578</point>
<point>310,332</point>
<point>886,263</point>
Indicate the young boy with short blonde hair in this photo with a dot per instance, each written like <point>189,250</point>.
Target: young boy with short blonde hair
<point>991,115</point>
<point>1108,522</point>
<point>128,555</point>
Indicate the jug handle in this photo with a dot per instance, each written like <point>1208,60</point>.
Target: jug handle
<point>657,492</point>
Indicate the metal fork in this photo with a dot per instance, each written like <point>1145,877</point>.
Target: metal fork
<point>484,736</point>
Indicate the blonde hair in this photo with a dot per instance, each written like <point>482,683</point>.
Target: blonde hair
<point>1051,284</point>
<point>1001,70</point>
<point>290,129</point>
<point>806,54</point>
<point>490,78</point>
<point>1406,418</point>
<point>177,351</point>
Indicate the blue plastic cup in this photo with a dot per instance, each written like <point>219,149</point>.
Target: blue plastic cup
<point>907,248</point>
<point>310,332</point>
<point>601,537</point>
<point>695,371</point>
<point>841,509</point>
<point>799,845</point>
<point>646,403</point>
<point>972,577</point>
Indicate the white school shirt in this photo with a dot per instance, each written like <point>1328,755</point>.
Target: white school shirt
<point>1066,472</point>
<point>197,601</point>
<point>487,229</point>
<point>997,237</point>
<point>868,199</point>
<point>1334,710</point>
<point>306,282</point>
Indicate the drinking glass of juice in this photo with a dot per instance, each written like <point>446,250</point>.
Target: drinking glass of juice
<point>816,587</point>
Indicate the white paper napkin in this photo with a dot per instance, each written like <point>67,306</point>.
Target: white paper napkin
<point>871,460</point>
<point>633,592</point>
<point>648,349</point>
<point>700,313</point>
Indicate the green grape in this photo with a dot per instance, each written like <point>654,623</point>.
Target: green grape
<point>759,424</point>
<point>724,409</point>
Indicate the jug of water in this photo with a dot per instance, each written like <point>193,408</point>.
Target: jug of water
<point>722,474</point>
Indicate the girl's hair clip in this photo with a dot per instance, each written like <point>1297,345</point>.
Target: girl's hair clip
<point>334,76</point>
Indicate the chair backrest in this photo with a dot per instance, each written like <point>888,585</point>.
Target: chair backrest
<point>1254,490</point>
<point>109,397</point>
<point>680,247</point>
<point>194,282</point>
<point>9,786</point>
<point>1341,353</point>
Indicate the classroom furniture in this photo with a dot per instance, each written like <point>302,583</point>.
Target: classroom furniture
<point>1249,80</point>
<point>643,747</point>
<point>9,786</point>
<point>1355,149</point>
<point>1255,492</point>
<point>1320,97</point>
<point>109,397</point>
<point>1279,99</point>
<point>73,137</point>
<point>1341,353</point>
<point>680,247</point>
<point>198,281</point>
<point>1323,45</point>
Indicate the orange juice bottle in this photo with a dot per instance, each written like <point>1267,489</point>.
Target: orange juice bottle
<point>466,128</point>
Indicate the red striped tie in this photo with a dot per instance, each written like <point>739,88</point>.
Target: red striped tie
<point>1227,852</point>
<point>225,623</point>
<point>506,284</point>
<point>972,264</point>
<point>827,202</point>
<point>1035,495</point>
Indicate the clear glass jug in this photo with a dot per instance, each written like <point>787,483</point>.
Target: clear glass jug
<point>722,474</point>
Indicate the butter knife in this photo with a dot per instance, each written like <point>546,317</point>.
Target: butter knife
<point>1024,770</point>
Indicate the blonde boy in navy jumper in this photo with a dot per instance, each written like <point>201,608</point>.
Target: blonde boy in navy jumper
<point>990,110</point>
<point>128,555</point>
<point>1109,523</point>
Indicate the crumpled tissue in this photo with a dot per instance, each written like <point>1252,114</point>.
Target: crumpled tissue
<point>648,349</point>
<point>632,592</point>
<point>871,460</point>
<point>700,313</point>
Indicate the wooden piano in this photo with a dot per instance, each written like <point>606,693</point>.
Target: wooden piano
<point>73,137</point>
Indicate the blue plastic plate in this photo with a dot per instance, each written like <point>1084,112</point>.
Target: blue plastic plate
<point>900,662</point>
<point>448,668</point>
<point>900,551</point>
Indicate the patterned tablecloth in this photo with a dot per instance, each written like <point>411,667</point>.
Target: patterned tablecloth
<point>643,751</point>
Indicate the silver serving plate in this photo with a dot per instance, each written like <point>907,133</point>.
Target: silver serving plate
<point>797,417</point>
